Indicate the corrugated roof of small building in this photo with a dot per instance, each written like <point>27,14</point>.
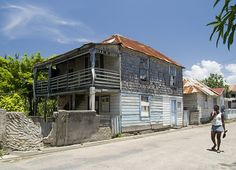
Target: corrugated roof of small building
<point>191,85</point>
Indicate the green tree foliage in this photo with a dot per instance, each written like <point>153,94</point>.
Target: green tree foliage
<point>16,75</point>
<point>224,25</point>
<point>12,102</point>
<point>214,81</point>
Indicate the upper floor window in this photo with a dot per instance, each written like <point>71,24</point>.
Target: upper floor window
<point>144,69</point>
<point>172,72</point>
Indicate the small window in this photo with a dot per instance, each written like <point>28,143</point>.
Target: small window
<point>144,69</point>
<point>105,104</point>
<point>145,106</point>
<point>172,73</point>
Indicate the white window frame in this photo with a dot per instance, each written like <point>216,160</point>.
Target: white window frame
<point>144,106</point>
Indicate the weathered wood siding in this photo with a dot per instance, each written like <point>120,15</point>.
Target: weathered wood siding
<point>156,109</point>
<point>190,101</point>
<point>131,108</point>
<point>159,77</point>
<point>115,104</point>
<point>204,111</point>
<point>111,63</point>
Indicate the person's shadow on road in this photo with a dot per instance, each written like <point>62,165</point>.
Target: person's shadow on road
<point>214,150</point>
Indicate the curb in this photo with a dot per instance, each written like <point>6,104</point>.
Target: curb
<point>19,155</point>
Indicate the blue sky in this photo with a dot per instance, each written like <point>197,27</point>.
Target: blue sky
<point>177,28</point>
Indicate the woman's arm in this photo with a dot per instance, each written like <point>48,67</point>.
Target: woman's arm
<point>212,115</point>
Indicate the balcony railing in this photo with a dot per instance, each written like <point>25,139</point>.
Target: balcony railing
<point>104,78</point>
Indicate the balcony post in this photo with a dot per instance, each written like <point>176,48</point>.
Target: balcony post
<point>49,78</point>
<point>92,60</point>
<point>92,98</point>
<point>92,88</point>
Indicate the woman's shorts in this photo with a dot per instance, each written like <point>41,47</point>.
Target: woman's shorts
<point>217,128</point>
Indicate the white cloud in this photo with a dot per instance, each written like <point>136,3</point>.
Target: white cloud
<point>231,68</point>
<point>202,70</point>
<point>33,21</point>
<point>231,79</point>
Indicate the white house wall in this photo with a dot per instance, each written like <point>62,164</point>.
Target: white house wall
<point>160,110</point>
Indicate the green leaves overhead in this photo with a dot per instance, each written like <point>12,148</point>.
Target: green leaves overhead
<point>16,75</point>
<point>224,24</point>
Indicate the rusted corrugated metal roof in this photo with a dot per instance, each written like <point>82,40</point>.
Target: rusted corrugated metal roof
<point>194,86</point>
<point>219,91</point>
<point>232,88</point>
<point>137,46</point>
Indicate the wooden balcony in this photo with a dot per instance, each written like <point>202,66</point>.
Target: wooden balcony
<point>77,80</point>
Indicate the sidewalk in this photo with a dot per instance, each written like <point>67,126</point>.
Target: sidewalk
<point>18,155</point>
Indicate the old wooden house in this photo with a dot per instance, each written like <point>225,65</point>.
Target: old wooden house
<point>199,100</point>
<point>128,83</point>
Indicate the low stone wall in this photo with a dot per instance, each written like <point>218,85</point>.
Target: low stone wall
<point>2,125</point>
<point>19,132</point>
<point>72,127</point>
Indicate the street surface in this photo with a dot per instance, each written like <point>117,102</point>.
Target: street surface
<point>184,149</point>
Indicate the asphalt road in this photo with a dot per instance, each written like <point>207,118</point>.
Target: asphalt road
<point>184,149</point>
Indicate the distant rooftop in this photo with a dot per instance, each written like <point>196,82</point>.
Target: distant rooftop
<point>232,88</point>
<point>219,91</point>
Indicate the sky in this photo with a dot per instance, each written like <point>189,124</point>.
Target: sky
<point>176,28</point>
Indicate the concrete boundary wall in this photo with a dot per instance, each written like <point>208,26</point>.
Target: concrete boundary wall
<point>72,127</point>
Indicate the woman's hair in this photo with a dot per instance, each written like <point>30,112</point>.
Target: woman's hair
<point>216,108</point>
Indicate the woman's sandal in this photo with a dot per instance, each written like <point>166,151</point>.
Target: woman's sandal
<point>213,148</point>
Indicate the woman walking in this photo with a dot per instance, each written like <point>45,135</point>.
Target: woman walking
<point>218,126</point>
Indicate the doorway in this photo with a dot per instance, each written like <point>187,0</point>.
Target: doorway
<point>173,113</point>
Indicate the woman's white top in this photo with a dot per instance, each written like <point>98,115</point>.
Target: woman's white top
<point>217,120</point>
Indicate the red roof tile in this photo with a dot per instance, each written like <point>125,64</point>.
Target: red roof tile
<point>137,46</point>
<point>219,91</point>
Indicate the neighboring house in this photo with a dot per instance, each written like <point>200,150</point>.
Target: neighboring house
<point>118,77</point>
<point>220,98</point>
<point>230,102</point>
<point>199,100</point>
